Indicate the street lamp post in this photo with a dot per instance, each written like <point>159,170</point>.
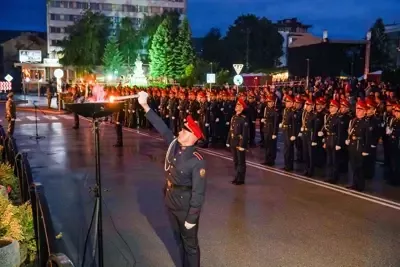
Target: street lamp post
<point>367,55</point>
<point>308,72</point>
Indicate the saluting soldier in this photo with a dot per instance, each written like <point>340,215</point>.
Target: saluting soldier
<point>374,127</point>
<point>185,185</point>
<point>270,123</point>
<point>332,144</point>
<point>11,114</point>
<point>238,139</point>
<point>288,133</point>
<point>307,133</point>
<point>359,146</point>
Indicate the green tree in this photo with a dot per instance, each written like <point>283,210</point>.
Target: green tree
<point>161,51</point>
<point>223,77</point>
<point>84,47</point>
<point>212,46</point>
<point>129,41</point>
<point>253,40</point>
<point>112,58</point>
<point>183,52</point>
<point>380,58</point>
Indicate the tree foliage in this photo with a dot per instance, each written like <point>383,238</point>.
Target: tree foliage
<point>380,58</point>
<point>113,60</point>
<point>184,52</point>
<point>84,47</point>
<point>161,51</point>
<point>129,41</point>
<point>212,46</point>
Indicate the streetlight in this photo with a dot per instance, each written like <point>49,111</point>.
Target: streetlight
<point>367,55</point>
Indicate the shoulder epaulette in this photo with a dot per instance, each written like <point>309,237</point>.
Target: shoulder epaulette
<point>198,155</point>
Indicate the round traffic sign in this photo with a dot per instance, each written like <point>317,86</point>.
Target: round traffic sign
<point>58,73</point>
<point>238,80</point>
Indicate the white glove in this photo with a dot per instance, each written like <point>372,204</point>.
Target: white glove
<point>227,145</point>
<point>280,125</point>
<point>187,111</point>
<point>227,123</point>
<point>364,154</point>
<point>207,124</point>
<point>222,109</point>
<point>167,116</point>
<point>300,135</point>
<point>273,136</point>
<point>240,148</point>
<point>320,134</point>
<point>217,120</point>
<point>198,112</point>
<point>388,131</point>
<point>373,146</point>
<point>262,120</point>
<point>313,144</point>
<point>12,119</point>
<point>189,225</point>
<point>173,118</point>
<point>118,123</point>
<point>338,147</point>
<point>253,122</point>
<point>292,138</point>
<point>142,99</point>
<point>347,142</point>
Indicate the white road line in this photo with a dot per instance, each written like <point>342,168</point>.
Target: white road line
<point>53,118</point>
<point>17,119</point>
<point>32,118</point>
<point>65,117</point>
<point>339,189</point>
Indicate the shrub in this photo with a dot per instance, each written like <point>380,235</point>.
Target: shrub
<point>8,179</point>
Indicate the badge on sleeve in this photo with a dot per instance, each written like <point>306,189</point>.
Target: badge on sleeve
<point>202,173</point>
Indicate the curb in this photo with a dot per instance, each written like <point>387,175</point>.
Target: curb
<point>41,110</point>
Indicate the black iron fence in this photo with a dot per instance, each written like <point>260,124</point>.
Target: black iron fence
<point>34,193</point>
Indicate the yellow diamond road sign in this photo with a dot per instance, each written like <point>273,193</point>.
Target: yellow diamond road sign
<point>8,78</point>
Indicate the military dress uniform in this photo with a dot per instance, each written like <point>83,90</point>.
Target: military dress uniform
<point>359,148</point>
<point>270,122</point>
<point>288,134</point>
<point>238,139</point>
<point>393,134</point>
<point>332,144</point>
<point>184,192</point>
<point>11,114</point>
<point>374,126</point>
<point>307,133</point>
<point>343,136</point>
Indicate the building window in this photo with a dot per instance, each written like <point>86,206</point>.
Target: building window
<point>117,7</point>
<point>55,30</point>
<point>56,42</point>
<point>94,6</point>
<point>143,9</point>
<point>107,7</point>
<point>55,4</point>
<point>81,5</point>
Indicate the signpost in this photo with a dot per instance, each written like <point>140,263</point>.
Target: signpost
<point>238,79</point>
<point>59,73</point>
<point>8,78</point>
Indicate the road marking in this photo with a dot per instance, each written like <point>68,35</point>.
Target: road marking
<point>32,118</point>
<point>18,119</point>
<point>377,200</point>
<point>65,117</point>
<point>53,118</point>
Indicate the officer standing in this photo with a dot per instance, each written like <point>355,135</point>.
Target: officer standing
<point>238,139</point>
<point>393,133</point>
<point>185,185</point>
<point>75,97</point>
<point>119,118</point>
<point>307,133</point>
<point>270,122</point>
<point>11,114</point>
<point>359,146</point>
<point>374,126</point>
<point>288,133</point>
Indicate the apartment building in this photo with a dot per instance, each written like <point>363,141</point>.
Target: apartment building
<point>61,14</point>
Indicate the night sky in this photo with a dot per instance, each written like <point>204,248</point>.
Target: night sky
<point>342,18</point>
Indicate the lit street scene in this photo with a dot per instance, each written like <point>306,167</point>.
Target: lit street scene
<point>192,134</point>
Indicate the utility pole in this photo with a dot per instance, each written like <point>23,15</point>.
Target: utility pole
<point>247,49</point>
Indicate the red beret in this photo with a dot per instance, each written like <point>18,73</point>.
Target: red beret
<point>345,103</point>
<point>370,103</point>
<point>270,98</point>
<point>298,99</point>
<point>193,127</point>
<point>320,101</point>
<point>241,102</point>
<point>335,103</point>
<point>361,104</point>
<point>309,102</point>
<point>288,98</point>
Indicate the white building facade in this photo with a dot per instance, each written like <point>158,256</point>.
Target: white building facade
<point>61,14</point>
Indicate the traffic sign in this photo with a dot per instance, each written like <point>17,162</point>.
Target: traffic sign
<point>238,80</point>
<point>210,77</point>
<point>8,78</point>
<point>238,68</point>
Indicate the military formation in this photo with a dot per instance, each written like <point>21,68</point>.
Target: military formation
<point>325,127</point>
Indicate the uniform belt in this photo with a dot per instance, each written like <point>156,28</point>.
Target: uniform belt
<point>175,186</point>
<point>355,138</point>
<point>331,134</point>
<point>286,126</point>
<point>306,129</point>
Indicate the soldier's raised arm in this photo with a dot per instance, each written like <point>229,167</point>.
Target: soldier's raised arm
<point>154,119</point>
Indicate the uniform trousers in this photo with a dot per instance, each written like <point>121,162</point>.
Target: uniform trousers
<point>118,130</point>
<point>357,164</point>
<point>76,120</point>
<point>394,170</point>
<point>239,160</point>
<point>186,239</point>
<point>270,149</point>
<point>332,162</point>
<point>288,150</point>
<point>307,153</point>
<point>369,163</point>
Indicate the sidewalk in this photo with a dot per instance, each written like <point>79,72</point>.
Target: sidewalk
<point>40,102</point>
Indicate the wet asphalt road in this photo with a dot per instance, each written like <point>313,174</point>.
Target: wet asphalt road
<point>274,220</point>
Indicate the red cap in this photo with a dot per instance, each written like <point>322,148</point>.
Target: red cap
<point>298,99</point>
<point>193,127</point>
<point>309,102</point>
<point>370,103</point>
<point>320,101</point>
<point>335,103</point>
<point>270,98</point>
<point>345,103</point>
<point>201,94</point>
<point>289,98</point>
<point>241,102</point>
<point>361,104</point>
